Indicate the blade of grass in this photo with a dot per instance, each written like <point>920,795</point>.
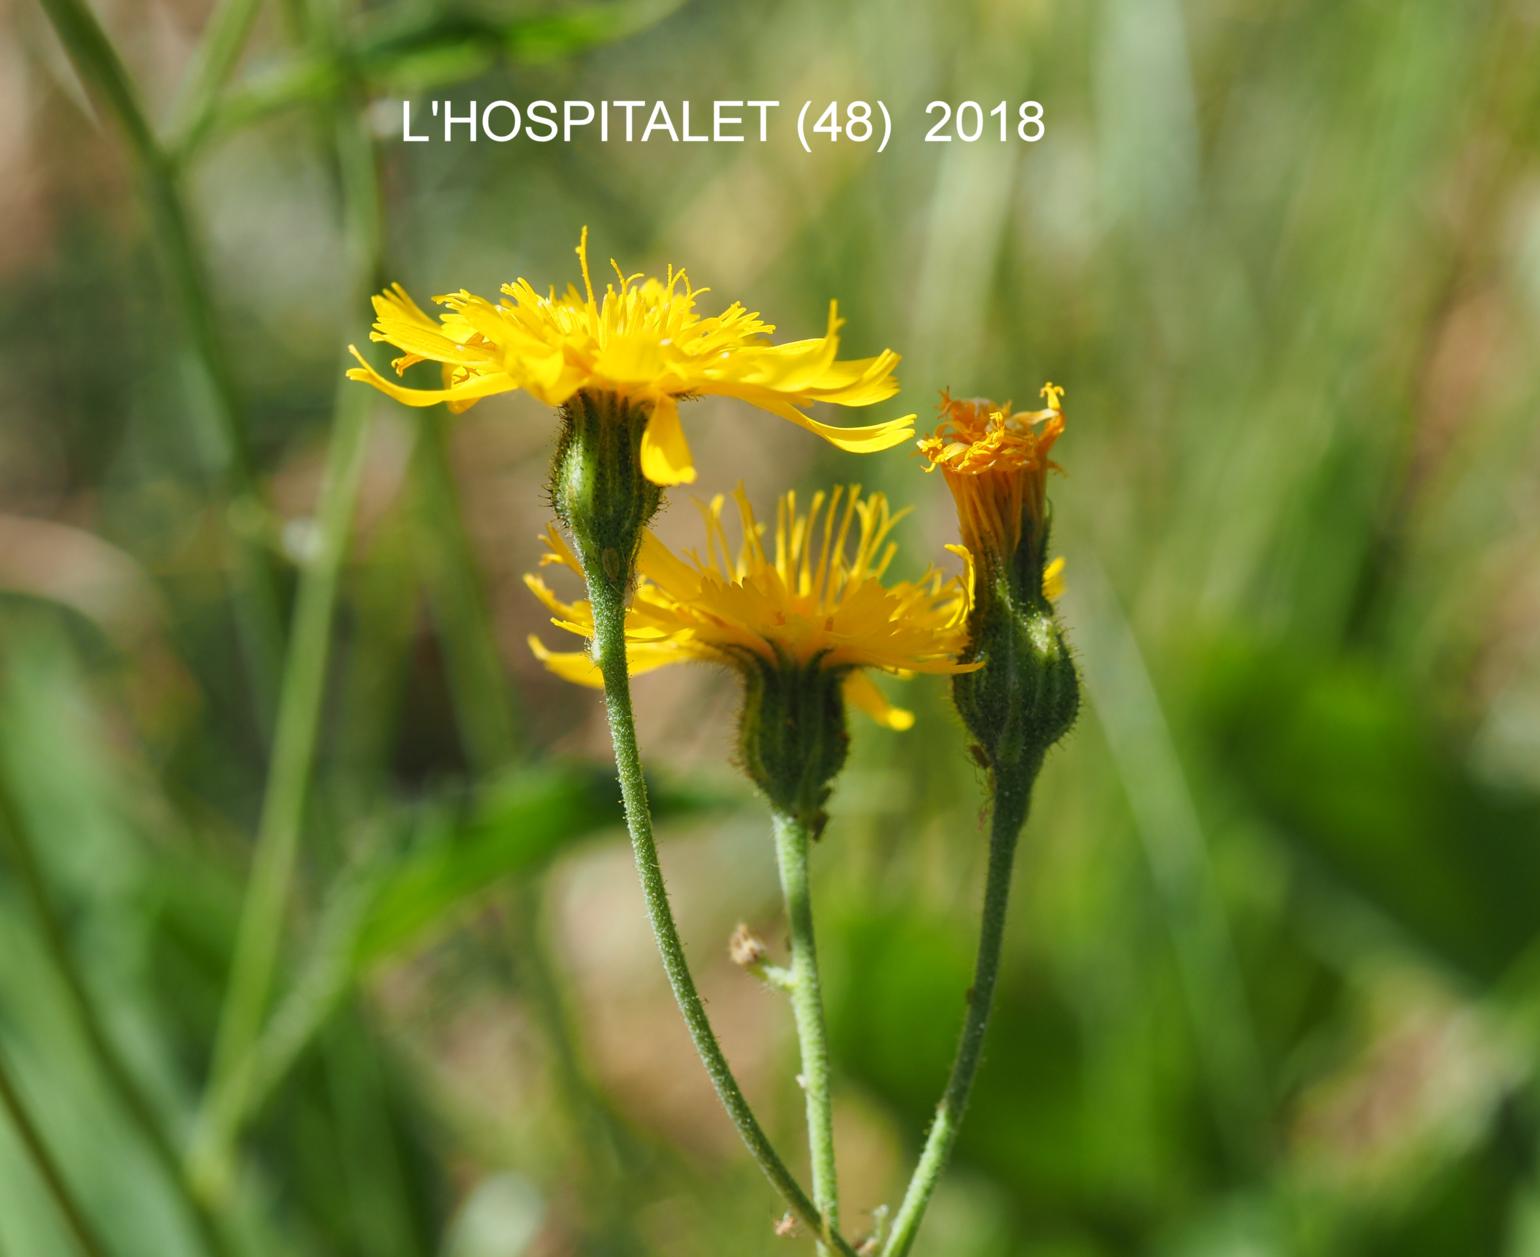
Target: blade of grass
<point>1129,713</point>
<point>390,902</point>
<point>291,769</point>
<point>223,39</point>
<point>255,579</point>
<point>47,1167</point>
<point>477,683</point>
<point>410,49</point>
<point>304,683</point>
<point>108,1060</point>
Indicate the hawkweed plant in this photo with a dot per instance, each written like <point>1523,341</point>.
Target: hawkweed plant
<point>804,617</point>
<point>617,367</point>
<point>1020,700</point>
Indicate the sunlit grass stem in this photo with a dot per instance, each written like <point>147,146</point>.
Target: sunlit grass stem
<point>290,770</point>
<point>792,841</point>
<point>255,579</point>
<point>291,764</point>
<point>223,38</point>
<point>1010,813</point>
<point>58,1188</point>
<point>120,1080</point>
<point>607,595</point>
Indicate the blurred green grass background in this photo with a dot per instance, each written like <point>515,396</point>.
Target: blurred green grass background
<point>1272,984</point>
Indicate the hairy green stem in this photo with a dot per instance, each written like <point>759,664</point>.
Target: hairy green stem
<point>487,728</point>
<point>489,733</point>
<point>109,1061</point>
<point>1010,812</point>
<point>791,848</point>
<point>47,1168</point>
<point>607,595</point>
<point>490,736</point>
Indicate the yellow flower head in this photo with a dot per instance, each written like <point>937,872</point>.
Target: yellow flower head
<point>996,464</point>
<point>644,341</point>
<point>817,597</point>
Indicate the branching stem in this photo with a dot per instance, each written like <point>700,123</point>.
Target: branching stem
<point>1010,812</point>
<point>607,594</point>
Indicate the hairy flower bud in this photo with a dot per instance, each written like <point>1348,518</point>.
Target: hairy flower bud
<point>792,740</point>
<point>1026,695</point>
<point>597,486</point>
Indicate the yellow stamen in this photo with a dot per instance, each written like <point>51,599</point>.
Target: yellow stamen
<point>814,602</point>
<point>643,340</point>
<point>582,252</point>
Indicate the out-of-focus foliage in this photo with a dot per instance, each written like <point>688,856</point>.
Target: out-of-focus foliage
<point>1272,975</point>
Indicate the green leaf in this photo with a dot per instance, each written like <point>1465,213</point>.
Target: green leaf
<point>516,827</point>
<point>424,48</point>
<point>408,49</point>
<point>1355,774</point>
<point>392,901</point>
<point>897,985</point>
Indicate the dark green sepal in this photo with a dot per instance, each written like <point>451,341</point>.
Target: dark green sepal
<point>792,738</point>
<point>1027,694</point>
<point>597,487</point>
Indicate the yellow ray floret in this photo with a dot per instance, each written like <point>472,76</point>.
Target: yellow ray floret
<point>817,594</point>
<point>996,463</point>
<point>642,340</point>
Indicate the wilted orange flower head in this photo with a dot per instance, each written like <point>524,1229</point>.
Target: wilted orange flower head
<point>995,461</point>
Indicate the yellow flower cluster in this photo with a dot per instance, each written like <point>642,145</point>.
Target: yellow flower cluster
<point>805,611</point>
<point>643,340</point>
<point>815,593</point>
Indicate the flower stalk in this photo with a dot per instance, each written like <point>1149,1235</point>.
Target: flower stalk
<point>793,837</point>
<point>793,743</point>
<point>604,500</point>
<point>1021,700</point>
<point>1008,816</point>
<point>607,596</point>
